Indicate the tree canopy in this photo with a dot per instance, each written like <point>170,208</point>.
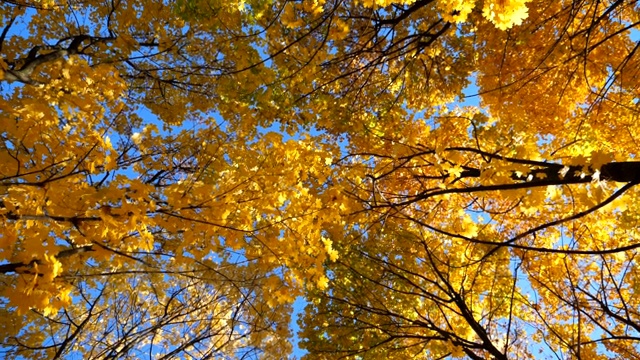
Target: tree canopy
<point>436,178</point>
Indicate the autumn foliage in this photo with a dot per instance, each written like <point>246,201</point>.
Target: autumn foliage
<point>436,178</point>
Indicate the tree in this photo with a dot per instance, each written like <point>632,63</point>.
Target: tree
<point>500,231</point>
<point>142,197</point>
<point>134,221</point>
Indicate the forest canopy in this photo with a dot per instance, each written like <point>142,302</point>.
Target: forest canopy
<point>435,178</point>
